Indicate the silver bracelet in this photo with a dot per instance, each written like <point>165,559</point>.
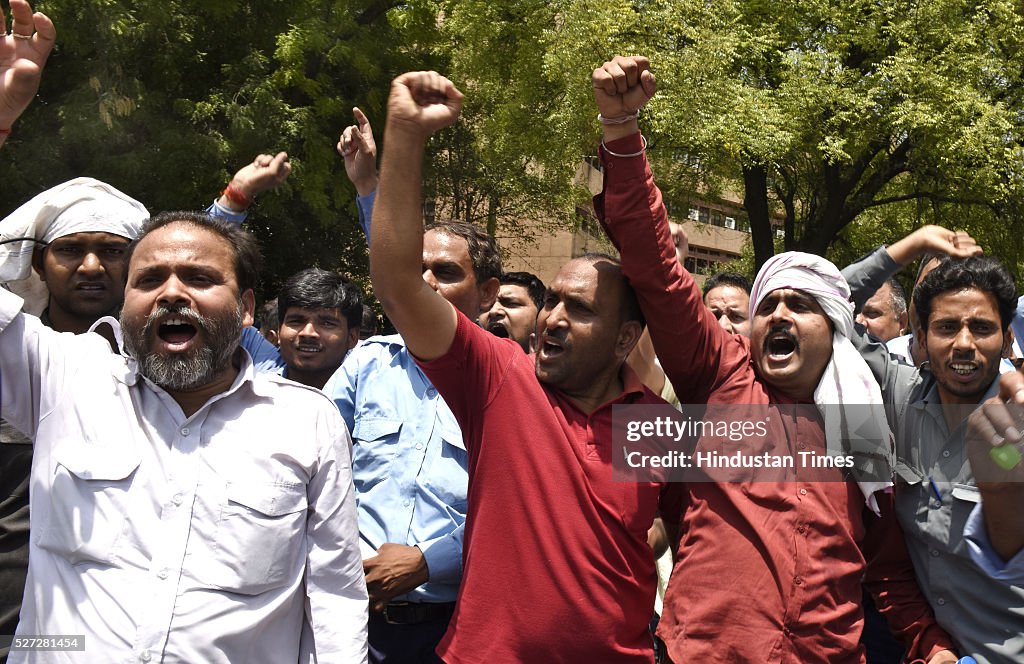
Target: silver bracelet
<point>622,119</point>
<point>625,156</point>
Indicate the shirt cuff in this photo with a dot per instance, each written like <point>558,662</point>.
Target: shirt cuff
<point>626,168</point>
<point>220,212</point>
<point>985,557</point>
<point>10,306</point>
<point>365,205</point>
<point>444,559</point>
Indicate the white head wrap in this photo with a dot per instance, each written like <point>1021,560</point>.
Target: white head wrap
<point>82,205</point>
<point>847,381</point>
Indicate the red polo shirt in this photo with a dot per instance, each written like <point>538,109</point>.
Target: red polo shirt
<point>556,562</point>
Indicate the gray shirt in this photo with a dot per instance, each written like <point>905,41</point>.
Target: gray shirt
<point>935,494</point>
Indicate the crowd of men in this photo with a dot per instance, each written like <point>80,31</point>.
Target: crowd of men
<point>204,491</point>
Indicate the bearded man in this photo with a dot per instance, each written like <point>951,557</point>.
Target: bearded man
<point>177,515</point>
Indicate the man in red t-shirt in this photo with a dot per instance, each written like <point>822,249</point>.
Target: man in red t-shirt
<point>556,562</point>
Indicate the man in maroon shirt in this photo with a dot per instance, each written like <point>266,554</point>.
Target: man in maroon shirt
<point>765,571</point>
<point>556,562</point>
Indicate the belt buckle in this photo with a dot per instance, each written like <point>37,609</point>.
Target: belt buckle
<point>396,605</point>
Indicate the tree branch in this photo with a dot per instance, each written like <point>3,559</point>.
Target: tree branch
<point>931,196</point>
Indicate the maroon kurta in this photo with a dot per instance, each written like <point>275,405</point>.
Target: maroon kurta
<point>765,571</point>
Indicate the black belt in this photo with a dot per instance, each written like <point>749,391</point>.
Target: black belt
<point>412,613</point>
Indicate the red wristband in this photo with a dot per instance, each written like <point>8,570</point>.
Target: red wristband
<point>236,197</point>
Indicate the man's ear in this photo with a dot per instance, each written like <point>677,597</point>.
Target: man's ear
<point>38,262</point>
<point>904,321</point>
<point>353,338</point>
<point>248,307</point>
<point>488,294</point>
<point>1008,342</point>
<point>629,335</point>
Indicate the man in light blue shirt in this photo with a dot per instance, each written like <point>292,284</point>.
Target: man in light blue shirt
<point>409,460</point>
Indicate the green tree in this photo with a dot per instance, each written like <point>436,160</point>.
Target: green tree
<point>820,111</point>
<point>165,99</point>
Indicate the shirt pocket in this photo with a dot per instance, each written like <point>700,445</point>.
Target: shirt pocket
<point>255,541</point>
<point>964,497</point>
<point>446,476</point>
<point>89,499</point>
<point>375,450</point>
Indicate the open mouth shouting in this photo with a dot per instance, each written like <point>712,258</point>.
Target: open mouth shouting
<point>498,329</point>
<point>551,348</point>
<point>176,332</point>
<point>780,346</point>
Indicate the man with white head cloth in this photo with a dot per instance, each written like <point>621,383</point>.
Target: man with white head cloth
<point>766,571</point>
<point>65,252</point>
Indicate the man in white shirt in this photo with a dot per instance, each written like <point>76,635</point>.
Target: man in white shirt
<point>183,508</point>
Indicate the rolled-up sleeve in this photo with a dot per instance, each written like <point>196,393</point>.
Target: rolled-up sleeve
<point>984,555</point>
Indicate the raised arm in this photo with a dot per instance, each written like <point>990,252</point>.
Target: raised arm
<point>869,273</point>
<point>420,104</point>
<point>695,352</point>
<point>263,173</point>
<point>359,150</point>
<point>23,54</point>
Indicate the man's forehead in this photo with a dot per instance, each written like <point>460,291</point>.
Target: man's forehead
<point>180,240</point>
<point>91,237</point>
<point>791,294</point>
<point>513,290</point>
<point>966,303</point>
<point>438,242</point>
<point>307,312</point>
<point>728,293</point>
<point>882,299</point>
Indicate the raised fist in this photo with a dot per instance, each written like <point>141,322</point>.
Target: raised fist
<point>623,85</point>
<point>424,102</point>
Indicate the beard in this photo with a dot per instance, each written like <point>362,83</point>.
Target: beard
<point>194,368</point>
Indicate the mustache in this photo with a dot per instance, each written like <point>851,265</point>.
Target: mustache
<point>778,331</point>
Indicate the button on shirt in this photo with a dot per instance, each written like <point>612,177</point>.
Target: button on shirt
<point>227,536</point>
<point>409,462</point>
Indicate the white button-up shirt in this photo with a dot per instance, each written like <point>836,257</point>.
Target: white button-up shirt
<point>227,536</point>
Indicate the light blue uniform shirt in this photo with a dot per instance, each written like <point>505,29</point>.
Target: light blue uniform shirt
<point>409,463</point>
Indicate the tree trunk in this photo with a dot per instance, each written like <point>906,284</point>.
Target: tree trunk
<point>755,200</point>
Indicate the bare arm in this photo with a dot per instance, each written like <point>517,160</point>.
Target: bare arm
<point>420,104</point>
<point>23,54</point>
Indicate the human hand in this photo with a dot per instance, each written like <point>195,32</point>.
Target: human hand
<point>23,54</point>
<point>939,240</point>
<point>994,437</point>
<point>934,240</point>
<point>394,571</point>
<point>263,173</point>
<point>359,150</point>
<point>422,102</point>
<point>943,657</point>
<point>622,86</point>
